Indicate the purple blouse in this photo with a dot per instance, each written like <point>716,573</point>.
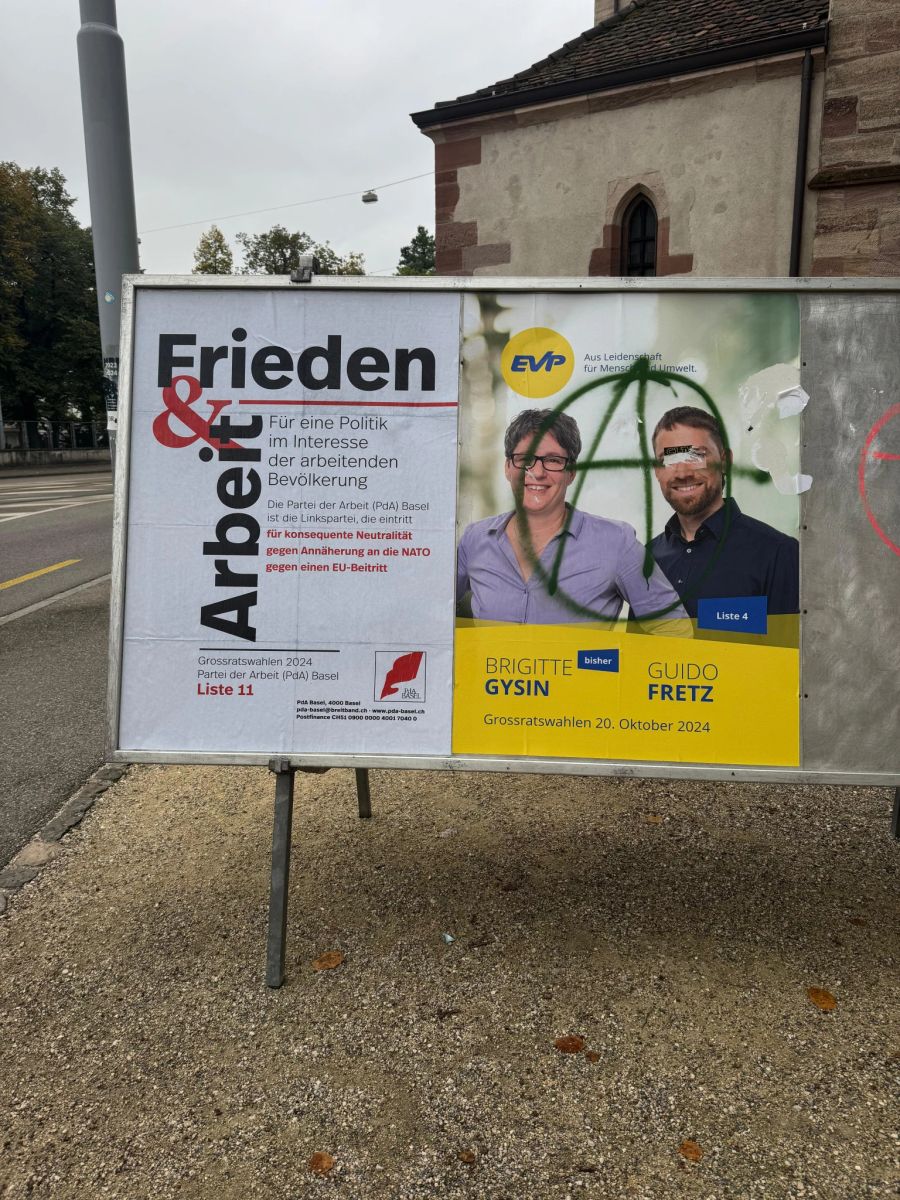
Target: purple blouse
<point>601,569</point>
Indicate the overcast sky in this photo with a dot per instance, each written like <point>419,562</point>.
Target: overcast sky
<point>238,106</point>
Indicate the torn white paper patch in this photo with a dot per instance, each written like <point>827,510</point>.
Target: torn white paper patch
<point>770,454</point>
<point>683,454</point>
<point>791,401</point>
<point>793,485</point>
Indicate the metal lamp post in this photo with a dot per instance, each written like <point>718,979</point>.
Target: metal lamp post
<point>107,144</point>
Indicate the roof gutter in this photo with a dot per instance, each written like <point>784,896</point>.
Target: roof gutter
<point>806,82</point>
<point>458,110</point>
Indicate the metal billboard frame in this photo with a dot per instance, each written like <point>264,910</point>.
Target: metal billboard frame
<point>573,766</point>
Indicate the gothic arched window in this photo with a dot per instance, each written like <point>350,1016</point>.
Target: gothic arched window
<point>639,238</point>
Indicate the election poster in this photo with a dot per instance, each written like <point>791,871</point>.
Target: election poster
<point>433,522</point>
<point>291,522</point>
<point>628,512</point>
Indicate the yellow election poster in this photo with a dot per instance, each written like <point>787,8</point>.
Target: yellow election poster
<point>628,506</point>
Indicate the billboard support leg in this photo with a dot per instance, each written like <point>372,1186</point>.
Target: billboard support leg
<point>895,817</point>
<point>281,865</point>
<point>362,792</point>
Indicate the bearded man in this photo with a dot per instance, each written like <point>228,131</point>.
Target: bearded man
<point>709,549</point>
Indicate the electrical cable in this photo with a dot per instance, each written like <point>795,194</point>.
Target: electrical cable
<point>276,207</point>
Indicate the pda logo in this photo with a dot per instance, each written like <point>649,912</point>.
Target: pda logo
<point>536,363</point>
<point>400,676</point>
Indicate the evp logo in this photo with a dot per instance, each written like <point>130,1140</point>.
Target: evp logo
<point>400,677</point>
<point>527,362</point>
<point>536,363</point>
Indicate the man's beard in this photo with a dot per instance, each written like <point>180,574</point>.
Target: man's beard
<point>687,506</point>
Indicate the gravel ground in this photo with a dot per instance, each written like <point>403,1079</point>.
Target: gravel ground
<point>674,927</point>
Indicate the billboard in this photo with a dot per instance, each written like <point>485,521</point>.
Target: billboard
<point>639,631</point>
<point>433,524</point>
<point>291,523</point>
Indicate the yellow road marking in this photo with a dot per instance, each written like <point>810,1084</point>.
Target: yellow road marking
<point>43,571</point>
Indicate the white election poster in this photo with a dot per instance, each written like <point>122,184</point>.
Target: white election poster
<point>291,522</point>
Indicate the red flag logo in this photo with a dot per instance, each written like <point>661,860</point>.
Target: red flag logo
<point>405,668</point>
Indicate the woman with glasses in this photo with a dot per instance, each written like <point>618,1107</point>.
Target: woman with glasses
<point>546,563</point>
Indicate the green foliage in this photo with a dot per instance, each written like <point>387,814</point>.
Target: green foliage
<point>418,257</point>
<point>50,361</point>
<point>332,263</point>
<point>213,254</point>
<point>277,252</point>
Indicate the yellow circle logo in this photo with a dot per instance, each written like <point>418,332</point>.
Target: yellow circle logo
<point>536,363</point>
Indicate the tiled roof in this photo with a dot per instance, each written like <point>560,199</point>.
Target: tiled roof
<point>647,32</point>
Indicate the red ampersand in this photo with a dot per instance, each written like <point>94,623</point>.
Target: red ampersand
<point>183,410</point>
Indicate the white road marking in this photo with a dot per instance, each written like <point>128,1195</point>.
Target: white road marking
<point>7,485</point>
<point>58,508</point>
<point>40,500</point>
<point>45,488</point>
<point>81,587</point>
<point>33,487</point>
<point>21,488</point>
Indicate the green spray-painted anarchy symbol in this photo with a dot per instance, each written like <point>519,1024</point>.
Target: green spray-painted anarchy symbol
<point>642,373</point>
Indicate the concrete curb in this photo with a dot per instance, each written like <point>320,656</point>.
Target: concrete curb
<point>27,864</point>
<point>52,470</point>
<point>54,460</point>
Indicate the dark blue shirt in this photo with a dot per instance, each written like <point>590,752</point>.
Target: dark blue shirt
<point>737,557</point>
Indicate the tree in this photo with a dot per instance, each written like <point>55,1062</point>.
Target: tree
<point>331,263</point>
<point>50,359</point>
<point>213,254</point>
<point>277,252</point>
<point>418,257</point>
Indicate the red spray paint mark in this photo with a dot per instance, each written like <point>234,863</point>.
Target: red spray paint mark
<point>867,454</point>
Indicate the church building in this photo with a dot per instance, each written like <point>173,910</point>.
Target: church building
<point>682,137</point>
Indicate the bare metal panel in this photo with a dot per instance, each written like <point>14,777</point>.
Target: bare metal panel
<point>850,575</point>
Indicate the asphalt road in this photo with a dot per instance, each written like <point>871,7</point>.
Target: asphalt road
<point>55,542</point>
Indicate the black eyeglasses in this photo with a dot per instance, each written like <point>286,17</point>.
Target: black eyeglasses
<point>550,462</point>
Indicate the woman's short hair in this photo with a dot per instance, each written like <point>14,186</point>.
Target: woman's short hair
<point>546,420</point>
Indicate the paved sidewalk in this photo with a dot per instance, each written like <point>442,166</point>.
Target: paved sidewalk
<point>670,933</point>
